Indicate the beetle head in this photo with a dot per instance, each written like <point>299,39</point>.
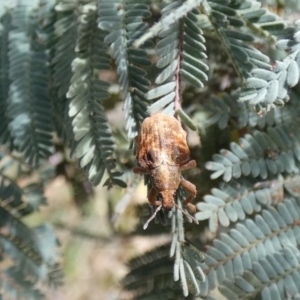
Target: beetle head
<point>167,202</point>
<point>167,199</point>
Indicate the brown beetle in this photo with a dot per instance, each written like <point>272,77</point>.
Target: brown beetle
<point>163,153</point>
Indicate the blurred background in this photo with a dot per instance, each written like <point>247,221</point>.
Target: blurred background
<point>94,251</point>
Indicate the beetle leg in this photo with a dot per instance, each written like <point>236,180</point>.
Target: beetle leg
<point>152,198</point>
<point>139,170</point>
<point>192,189</point>
<point>189,165</point>
<point>137,142</point>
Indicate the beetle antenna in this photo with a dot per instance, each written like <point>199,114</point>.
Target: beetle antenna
<point>187,214</point>
<point>152,217</point>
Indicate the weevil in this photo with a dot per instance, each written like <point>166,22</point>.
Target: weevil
<point>162,152</point>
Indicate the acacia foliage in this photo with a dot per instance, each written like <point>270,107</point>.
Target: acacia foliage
<point>176,57</point>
